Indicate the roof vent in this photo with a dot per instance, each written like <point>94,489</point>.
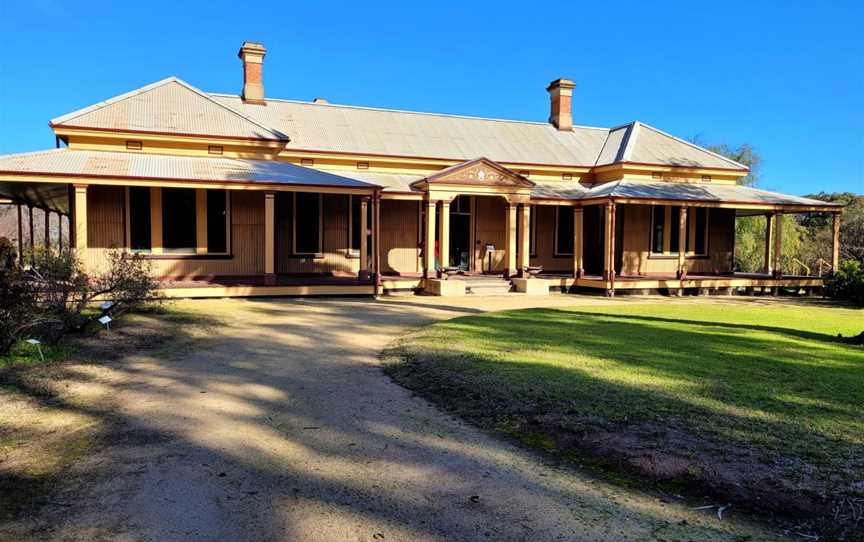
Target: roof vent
<point>252,55</point>
<point>560,93</point>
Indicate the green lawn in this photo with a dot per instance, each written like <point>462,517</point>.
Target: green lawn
<point>763,389</point>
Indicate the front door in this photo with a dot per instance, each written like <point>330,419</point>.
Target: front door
<point>460,232</point>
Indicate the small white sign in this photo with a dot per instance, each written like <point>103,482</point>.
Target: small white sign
<point>106,305</point>
<point>34,341</point>
<point>105,320</point>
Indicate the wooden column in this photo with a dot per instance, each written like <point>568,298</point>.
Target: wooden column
<point>769,241</point>
<point>608,242</point>
<point>376,241</point>
<point>835,243</point>
<point>444,235</point>
<point>510,240</point>
<point>20,237</point>
<point>270,238</point>
<point>778,241</point>
<point>155,220</point>
<point>201,218</point>
<point>682,243</point>
<point>60,232</point>
<point>525,240</point>
<point>429,241</point>
<point>578,221</point>
<point>364,239</point>
<point>32,237</point>
<point>47,228</point>
<point>81,222</point>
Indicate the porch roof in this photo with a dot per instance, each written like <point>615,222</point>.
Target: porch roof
<point>86,163</point>
<point>706,193</point>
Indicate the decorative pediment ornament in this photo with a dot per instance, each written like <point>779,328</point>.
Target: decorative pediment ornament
<point>479,172</point>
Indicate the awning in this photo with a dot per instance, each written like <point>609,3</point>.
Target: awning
<point>70,163</point>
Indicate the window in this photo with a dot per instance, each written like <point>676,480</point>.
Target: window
<point>658,225</point>
<point>139,219</point>
<point>665,221</point>
<point>217,221</point>
<point>563,231</point>
<point>307,223</point>
<point>673,223</point>
<point>697,231</point>
<point>356,229</point>
<point>179,220</point>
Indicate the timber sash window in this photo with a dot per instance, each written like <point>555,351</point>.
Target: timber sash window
<point>139,219</point>
<point>217,221</point>
<point>563,231</point>
<point>665,221</point>
<point>308,225</point>
<point>179,220</point>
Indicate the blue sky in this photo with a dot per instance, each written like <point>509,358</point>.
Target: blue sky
<point>786,77</point>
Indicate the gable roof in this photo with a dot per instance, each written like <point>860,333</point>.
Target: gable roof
<point>68,162</point>
<point>640,143</point>
<point>169,106</point>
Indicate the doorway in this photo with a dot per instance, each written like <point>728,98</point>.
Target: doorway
<point>460,233</point>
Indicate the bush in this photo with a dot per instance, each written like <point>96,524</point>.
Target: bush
<point>847,283</point>
<point>53,296</point>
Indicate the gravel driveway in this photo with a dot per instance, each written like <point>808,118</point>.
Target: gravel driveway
<point>282,426</point>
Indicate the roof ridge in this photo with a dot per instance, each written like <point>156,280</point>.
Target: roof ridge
<point>391,110</point>
<point>162,82</point>
<point>695,146</point>
<point>29,153</point>
<point>626,150</point>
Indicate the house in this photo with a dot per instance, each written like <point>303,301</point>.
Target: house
<point>247,195</point>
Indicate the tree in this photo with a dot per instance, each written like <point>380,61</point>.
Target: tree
<point>743,154</point>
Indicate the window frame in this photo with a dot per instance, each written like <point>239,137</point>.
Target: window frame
<point>294,251</point>
<point>128,220</point>
<point>667,230</point>
<point>184,250</point>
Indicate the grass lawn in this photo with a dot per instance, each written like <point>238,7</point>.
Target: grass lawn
<point>758,403</point>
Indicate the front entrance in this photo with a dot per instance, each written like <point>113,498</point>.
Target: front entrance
<point>460,232</point>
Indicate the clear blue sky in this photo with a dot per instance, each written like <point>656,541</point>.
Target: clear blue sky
<point>786,77</point>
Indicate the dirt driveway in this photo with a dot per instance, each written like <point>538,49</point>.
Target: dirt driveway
<point>282,426</point>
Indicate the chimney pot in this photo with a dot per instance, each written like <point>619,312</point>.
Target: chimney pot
<point>560,94</point>
<point>252,55</point>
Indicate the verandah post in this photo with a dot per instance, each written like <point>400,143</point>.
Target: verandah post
<point>429,241</point>
<point>682,243</point>
<point>578,220</point>
<point>32,237</point>
<point>525,241</point>
<point>778,244</point>
<point>769,242</point>
<point>47,228</point>
<point>510,242</point>
<point>270,238</point>
<point>444,234</point>
<point>20,237</point>
<point>835,243</point>
<point>80,220</point>
<point>609,249</point>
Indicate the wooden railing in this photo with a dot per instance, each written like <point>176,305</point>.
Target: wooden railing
<point>824,268</point>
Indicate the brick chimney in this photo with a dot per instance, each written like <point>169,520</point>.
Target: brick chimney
<point>252,55</point>
<point>560,93</point>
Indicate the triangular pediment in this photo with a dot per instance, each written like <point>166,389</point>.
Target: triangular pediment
<point>478,172</point>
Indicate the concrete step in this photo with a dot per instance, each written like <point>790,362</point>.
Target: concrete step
<point>487,287</point>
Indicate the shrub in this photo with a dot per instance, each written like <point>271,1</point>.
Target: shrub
<point>847,282</point>
<point>53,296</point>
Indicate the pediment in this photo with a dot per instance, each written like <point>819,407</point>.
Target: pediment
<point>479,172</point>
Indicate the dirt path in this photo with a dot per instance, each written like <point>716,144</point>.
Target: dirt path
<point>282,426</point>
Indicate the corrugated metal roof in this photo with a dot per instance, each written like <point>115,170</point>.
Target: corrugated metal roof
<point>169,167</point>
<point>169,106</point>
<point>648,145</point>
<point>698,192</point>
<point>340,128</point>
